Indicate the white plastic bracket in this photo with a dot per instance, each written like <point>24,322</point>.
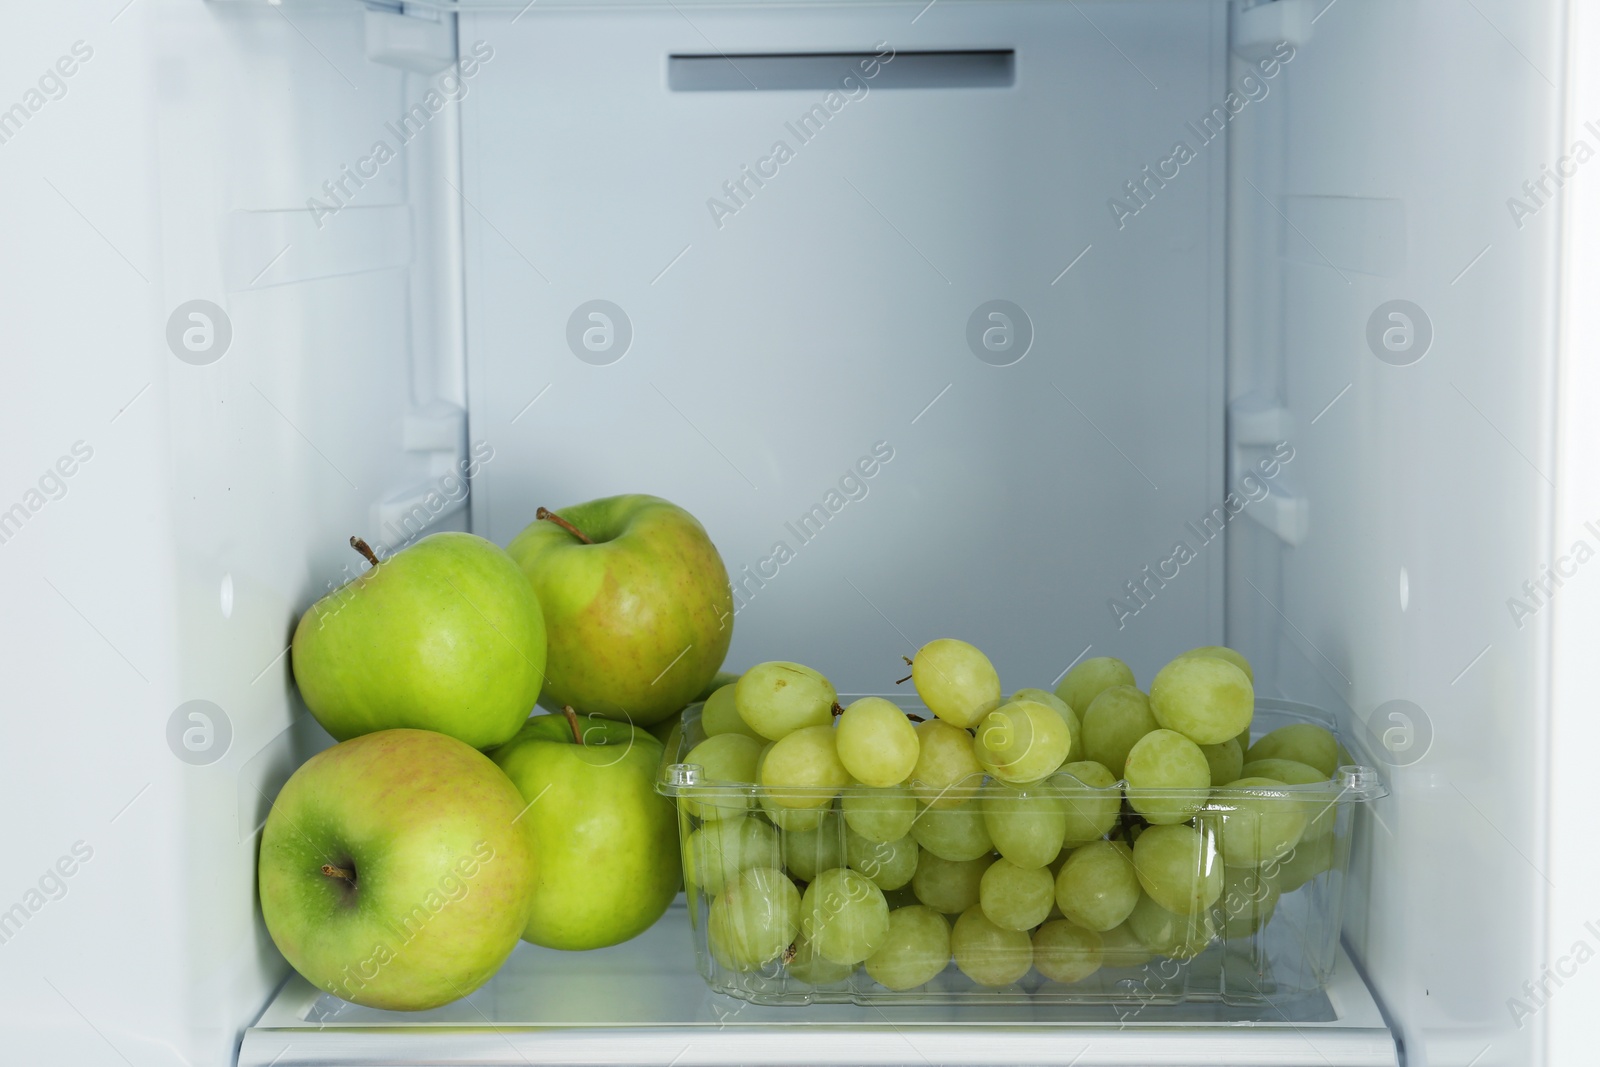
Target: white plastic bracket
<point>1259,25</point>
<point>409,37</point>
<point>439,426</point>
<point>1256,426</point>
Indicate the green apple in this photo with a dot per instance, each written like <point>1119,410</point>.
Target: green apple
<point>607,842</point>
<point>637,602</point>
<point>444,635</point>
<point>392,871</point>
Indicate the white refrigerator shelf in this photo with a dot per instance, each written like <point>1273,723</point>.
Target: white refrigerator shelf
<point>644,1003</point>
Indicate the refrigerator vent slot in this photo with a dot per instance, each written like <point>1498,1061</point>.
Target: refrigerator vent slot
<point>885,69</point>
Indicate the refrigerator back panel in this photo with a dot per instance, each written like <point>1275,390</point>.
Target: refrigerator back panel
<point>875,299</point>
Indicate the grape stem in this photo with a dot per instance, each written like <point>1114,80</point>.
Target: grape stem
<point>572,721</point>
<point>838,709</point>
<point>790,952</point>
<point>907,678</point>
<point>365,549</point>
<point>549,516</point>
<point>914,717</point>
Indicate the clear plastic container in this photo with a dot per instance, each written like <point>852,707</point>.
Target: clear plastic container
<point>1274,928</point>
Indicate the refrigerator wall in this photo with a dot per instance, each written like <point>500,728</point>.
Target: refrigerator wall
<point>1391,177</point>
<point>1565,989</point>
<point>187,475</point>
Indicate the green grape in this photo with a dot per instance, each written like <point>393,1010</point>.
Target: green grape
<point>1206,699</point>
<point>1091,678</point>
<point>718,851</point>
<point>1256,821</point>
<point>948,886</point>
<point>1249,896</point>
<point>1116,720</point>
<point>915,952</point>
<point>1097,887</point>
<point>808,966</point>
<point>1015,898</point>
<point>1287,771</point>
<point>1121,947</point>
<point>1091,801</point>
<point>1302,742</point>
<point>1065,952</point>
<point>726,758</point>
<point>956,681</point>
<point>776,699</point>
<point>988,954</point>
<point>1167,777</point>
<point>802,770</point>
<point>1026,823</point>
<point>1178,867</point>
<point>1022,742</point>
<point>890,864</point>
<point>720,715</point>
<point>877,744</point>
<point>1225,760</point>
<point>1321,805</point>
<point>953,833</point>
<point>844,916</point>
<point>1311,857</point>
<point>806,852</point>
<point>880,814</point>
<point>792,818</point>
<point>1224,653</point>
<point>946,767</point>
<point>1243,740</point>
<point>754,919</point>
<point>1168,933</point>
<point>1062,708</point>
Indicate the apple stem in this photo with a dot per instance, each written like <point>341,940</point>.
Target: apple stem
<point>572,721</point>
<point>365,549</point>
<point>550,516</point>
<point>339,872</point>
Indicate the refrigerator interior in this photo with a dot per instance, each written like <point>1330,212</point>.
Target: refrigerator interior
<point>393,320</point>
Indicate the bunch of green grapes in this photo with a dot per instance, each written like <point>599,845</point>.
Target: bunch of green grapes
<point>1094,826</point>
